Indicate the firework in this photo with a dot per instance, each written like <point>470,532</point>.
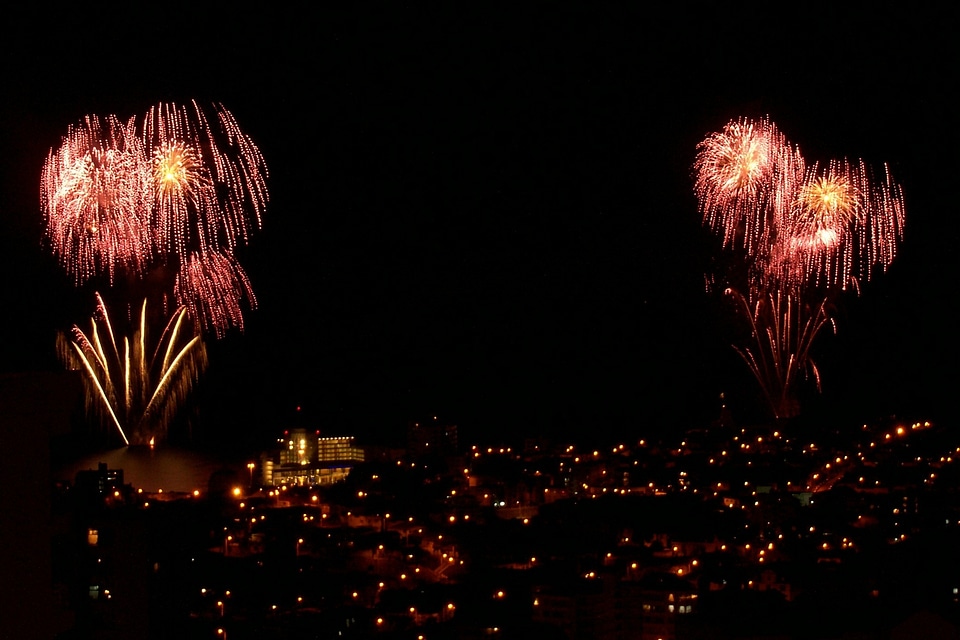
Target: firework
<point>209,178</point>
<point>215,289</point>
<point>135,390</point>
<point>95,193</point>
<point>806,232</point>
<point>782,330</point>
<point>741,175</point>
<point>183,188</point>
<point>841,226</point>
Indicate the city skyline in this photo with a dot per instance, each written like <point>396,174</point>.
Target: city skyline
<point>492,217</point>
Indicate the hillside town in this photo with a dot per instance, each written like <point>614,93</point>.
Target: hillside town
<point>765,531</point>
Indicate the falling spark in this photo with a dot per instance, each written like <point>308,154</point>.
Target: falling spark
<point>215,290</point>
<point>138,392</point>
<point>782,331</point>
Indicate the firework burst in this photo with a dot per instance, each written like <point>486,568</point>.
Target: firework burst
<point>183,188</point>
<point>741,174</point>
<point>209,178</point>
<point>215,289</point>
<point>806,233</point>
<point>136,390</point>
<point>95,192</point>
<point>828,203</point>
<point>841,227</point>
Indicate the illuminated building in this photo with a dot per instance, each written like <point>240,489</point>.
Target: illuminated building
<point>308,460</point>
<point>95,485</point>
<point>664,599</point>
<point>299,448</point>
<point>338,450</point>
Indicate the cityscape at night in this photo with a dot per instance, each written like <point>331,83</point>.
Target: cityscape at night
<point>398,322</point>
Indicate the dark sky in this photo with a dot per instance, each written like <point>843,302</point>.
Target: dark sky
<point>487,214</point>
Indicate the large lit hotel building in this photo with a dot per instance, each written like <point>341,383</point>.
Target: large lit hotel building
<point>306,459</point>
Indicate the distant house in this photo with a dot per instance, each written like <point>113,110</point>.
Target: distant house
<point>663,599</point>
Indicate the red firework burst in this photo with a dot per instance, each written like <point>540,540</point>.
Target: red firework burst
<point>741,176</point>
<point>842,225</point>
<point>209,178</point>
<point>806,233</point>
<point>186,186</point>
<point>96,194</point>
<point>215,290</point>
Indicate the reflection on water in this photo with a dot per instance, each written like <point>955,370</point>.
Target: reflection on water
<point>152,469</point>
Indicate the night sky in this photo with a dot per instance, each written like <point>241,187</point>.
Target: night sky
<point>487,215</point>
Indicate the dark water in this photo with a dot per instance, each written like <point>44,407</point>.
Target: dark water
<point>164,468</point>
